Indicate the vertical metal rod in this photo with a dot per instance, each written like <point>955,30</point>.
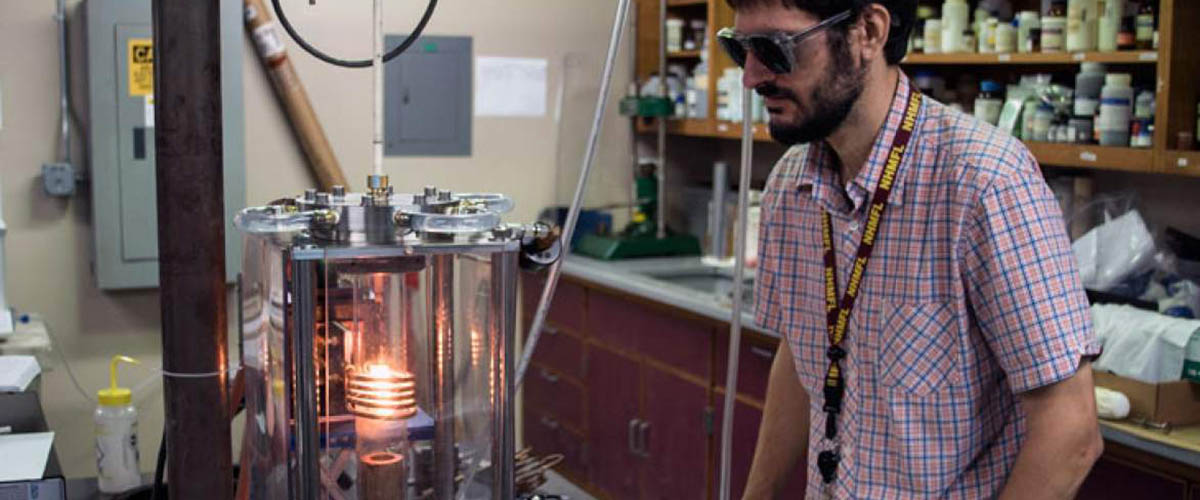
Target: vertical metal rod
<point>589,158</point>
<point>662,121</point>
<point>191,245</point>
<point>441,281</point>
<point>503,324</point>
<point>377,69</point>
<point>64,86</point>
<point>739,267</point>
<point>303,313</point>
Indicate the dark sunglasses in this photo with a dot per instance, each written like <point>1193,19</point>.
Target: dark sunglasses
<point>777,51</point>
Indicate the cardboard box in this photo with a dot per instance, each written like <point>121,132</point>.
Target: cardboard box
<point>1176,403</point>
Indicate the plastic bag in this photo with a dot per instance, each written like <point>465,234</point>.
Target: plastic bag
<point>1118,248</point>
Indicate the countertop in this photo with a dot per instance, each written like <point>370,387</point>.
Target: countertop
<point>637,277</point>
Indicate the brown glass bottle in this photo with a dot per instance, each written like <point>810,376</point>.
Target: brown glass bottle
<point>1144,26</point>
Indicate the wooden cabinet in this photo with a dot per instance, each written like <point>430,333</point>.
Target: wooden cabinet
<point>627,391</point>
<point>613,383</point>
<point>1124,473</point>
<point>675,437</point>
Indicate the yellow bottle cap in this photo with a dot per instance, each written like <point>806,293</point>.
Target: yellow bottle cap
<point>114,395</point>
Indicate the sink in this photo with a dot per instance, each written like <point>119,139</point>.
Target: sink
<point>707,280</point>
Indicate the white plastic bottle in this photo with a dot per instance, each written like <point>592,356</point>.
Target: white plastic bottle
<point>955,21</point>
<point>1109,24</point>
<point>1116,107</point>
<point>116,435</point>
<point>933,36</point>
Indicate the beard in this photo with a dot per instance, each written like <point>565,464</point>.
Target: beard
<point>831,100</point>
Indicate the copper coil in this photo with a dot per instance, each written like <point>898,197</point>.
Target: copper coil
<point>380,392</point>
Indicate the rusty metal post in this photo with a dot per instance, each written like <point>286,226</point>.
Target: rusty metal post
<point>191,246</point>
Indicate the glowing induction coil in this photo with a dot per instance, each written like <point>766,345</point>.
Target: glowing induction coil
<point>378,391</point>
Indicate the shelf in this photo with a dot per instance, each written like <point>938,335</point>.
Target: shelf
<point>1181,162</point>
<point>1122,57</point>
<point>700,127</point>
<point>684,54</point>
<point>1047,154</point>
<point>1092,157</point>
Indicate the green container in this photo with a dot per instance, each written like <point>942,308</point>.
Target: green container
<point>647,107</point>
<point>1191,358</point>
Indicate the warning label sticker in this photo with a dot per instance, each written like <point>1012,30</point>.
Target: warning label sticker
<point>141,66</point>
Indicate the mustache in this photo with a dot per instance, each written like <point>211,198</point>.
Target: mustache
<point>772,90</point>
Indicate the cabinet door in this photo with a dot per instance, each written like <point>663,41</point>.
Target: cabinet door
<point>675,437</point>
<point>746,420</point>
<point>1116,479</point>
<point>612,387</point>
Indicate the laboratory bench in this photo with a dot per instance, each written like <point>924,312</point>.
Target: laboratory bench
<point>627,383</point>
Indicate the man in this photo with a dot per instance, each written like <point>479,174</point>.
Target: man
<point>949,358</point>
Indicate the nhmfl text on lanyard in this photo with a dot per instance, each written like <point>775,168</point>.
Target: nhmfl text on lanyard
<point>837,312</point>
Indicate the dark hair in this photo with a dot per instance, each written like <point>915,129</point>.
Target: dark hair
<point>903,12</point>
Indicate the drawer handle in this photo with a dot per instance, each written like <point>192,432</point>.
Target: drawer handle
<point>634,425</point>
<point>550,423</point>
<point>644,433</point>
<point>547,376</point>
<point>762,352</point>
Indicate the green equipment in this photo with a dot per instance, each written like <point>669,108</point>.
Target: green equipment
<point>640,237</point>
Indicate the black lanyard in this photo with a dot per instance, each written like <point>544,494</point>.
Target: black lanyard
<point>837,312</point>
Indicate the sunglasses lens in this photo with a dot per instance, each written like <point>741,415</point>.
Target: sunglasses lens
<point>771,55</point>
<point>735,49</point>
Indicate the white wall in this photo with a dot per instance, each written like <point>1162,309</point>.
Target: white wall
<point>49,244</point>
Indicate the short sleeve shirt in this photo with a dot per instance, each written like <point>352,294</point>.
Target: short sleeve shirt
<point>971,297</point>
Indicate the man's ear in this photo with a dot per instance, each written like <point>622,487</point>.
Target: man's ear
<point>875,24</point>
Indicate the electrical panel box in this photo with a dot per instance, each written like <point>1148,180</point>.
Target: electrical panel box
<point>121,140</point>
<point>427,97</point>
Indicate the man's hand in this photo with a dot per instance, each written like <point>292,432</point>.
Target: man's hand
<point>1062,439</point>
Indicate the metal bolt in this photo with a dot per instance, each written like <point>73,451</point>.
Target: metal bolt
<point>322,198</point>
<point>431,192</point>
<point>310,194</point>
<point>443,195</point>
<point>339,191</point>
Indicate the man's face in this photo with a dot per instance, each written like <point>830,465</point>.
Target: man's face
<point>814,99</point>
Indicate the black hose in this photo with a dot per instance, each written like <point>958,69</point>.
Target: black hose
<point>361,63</point>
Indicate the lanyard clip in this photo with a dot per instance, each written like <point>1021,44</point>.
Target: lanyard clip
<point>827,463</point>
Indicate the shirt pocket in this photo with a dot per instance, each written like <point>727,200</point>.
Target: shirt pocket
<point>919,349</point>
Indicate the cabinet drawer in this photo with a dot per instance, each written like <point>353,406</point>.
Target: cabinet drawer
<point>665,337</point>
<point>547,436</point>
<point>754,365</point>
<point>567,308</point>
<point>548,393</point>
<point>560,351</point>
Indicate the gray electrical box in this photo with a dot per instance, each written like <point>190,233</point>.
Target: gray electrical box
<point>121,140</point>
<point>427,101</point>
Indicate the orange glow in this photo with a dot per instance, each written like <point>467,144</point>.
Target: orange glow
<point>378,391</point>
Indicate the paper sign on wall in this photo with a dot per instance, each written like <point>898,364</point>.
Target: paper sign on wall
<point>510,86</point>
<point>141,67</point>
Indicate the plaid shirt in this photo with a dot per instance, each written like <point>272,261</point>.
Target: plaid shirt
<point>970,298</point>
